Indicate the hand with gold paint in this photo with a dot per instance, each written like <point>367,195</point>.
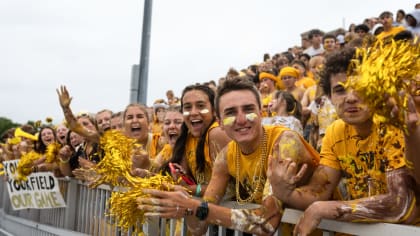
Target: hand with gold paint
<point>167,204</point>
<point>283,172</point>
<point>88,175</point>
<point>64,96</point>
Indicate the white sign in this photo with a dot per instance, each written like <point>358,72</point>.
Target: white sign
<point>40,190</point>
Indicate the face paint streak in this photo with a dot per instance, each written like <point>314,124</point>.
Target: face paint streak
<point>186,113</point>
<point>251,116</point>
<point>229,120</point>
<point>204,111</point>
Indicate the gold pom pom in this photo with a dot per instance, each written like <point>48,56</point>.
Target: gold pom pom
<point>123,205</point>
<point>383,76</point>
<point>52,152</point>
<point>24,167</point>
<point>115,166</point>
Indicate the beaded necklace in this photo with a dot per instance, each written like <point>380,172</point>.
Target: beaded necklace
<point>258,186</point>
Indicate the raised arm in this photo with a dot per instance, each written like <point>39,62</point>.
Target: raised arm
<point>65,100</point>
<point>396,206</point>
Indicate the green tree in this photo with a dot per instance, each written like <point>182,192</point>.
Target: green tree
<point>6,124</point>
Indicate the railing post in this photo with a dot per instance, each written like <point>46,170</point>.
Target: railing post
<point>72,197</point>
<point>151,226</point>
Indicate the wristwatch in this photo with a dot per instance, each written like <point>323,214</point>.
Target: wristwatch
<point>202,211</point>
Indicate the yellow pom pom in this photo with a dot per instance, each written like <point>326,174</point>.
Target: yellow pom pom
<point>384,73</point>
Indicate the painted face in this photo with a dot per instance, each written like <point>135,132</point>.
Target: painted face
<point>103,121</point>
<point>348,104</point>
<point>197,111</point>
<point>240,117</point>
<point>47,136</point>
<point>61,132</point>
<point>136,123</point>
<point>87,123</point>
<point>172,126</point>
<point>75,139</point>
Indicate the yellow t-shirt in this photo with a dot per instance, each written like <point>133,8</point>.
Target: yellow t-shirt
<point>166,152</point>
<point>363,162</point>
<point>153,145</point>
<point>190,148</point>
<point>265,102</point>
<point>156,127</point>
<point>250,164</point>
<point>305,82</point>
<point>394,30</point>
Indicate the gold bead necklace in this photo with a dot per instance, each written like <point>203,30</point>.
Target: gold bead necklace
<point>257,189</point>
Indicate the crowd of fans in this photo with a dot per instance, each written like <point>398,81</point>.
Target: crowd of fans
<point>293,105</point>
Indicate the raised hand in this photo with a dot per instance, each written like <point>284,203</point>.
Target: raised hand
<point>63,96</point>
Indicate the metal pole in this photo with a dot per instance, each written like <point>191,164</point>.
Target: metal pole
<point>144,53</point>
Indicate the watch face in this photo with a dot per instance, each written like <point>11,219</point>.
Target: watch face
<point>202,211</point>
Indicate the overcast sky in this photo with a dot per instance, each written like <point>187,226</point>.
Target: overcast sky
<point>90,45</point>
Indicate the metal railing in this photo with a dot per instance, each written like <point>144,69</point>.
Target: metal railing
<point>86,210</point>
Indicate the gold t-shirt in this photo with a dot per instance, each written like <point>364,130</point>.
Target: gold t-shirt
<point>190,148</point>
<point>265,102</point>
<point>249,165</point>
<point>389,34</point>
<point>363,162</point>
<point>305,82</point>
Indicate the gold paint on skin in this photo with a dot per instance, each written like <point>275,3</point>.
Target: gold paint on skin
<point>204,111</point>
<point>288,149</point>
<point>229,120</point>
<point>251,116</point>
<point>247,220</point>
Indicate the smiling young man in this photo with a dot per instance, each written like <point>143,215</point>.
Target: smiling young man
<point>243,161</point>
<point>369,160</point>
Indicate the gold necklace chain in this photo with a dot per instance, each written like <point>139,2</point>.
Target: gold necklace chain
<point>263,157</point>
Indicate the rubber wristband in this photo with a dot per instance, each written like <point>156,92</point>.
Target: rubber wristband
<point>198,190</point>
